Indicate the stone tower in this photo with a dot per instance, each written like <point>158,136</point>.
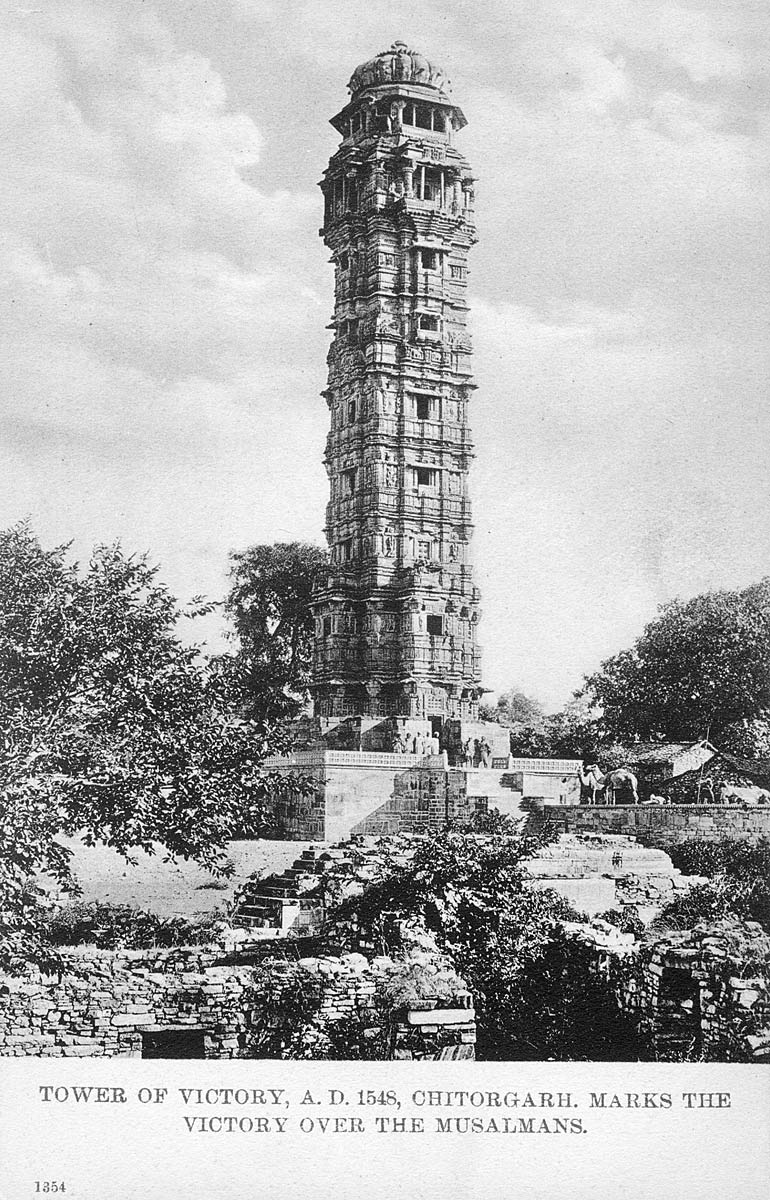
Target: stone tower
<point>397,614</point>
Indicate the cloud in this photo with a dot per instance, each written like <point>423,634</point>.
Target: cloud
<point>165,341</point>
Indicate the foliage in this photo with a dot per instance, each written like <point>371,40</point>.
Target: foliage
<point>269,604</point>
<point>110,728</point>
<point>702,666</point>
<point>536,989</point>
<point>554,1004</point>
<point>749,738</point>
<point>285,1001</point>
<point>627,920</point>
<point>419,976</point>
<point>365,1035</point>
<point>738,883</point>
<point>572,732</point>
<point>119,926</point>
<point>514,708</point>
<point>721,898</point>
<point>728,856</point>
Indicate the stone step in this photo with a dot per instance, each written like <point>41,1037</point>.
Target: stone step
<point>257,910</point>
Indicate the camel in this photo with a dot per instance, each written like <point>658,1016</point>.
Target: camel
<point>621,780</point>
<point>750,796</point>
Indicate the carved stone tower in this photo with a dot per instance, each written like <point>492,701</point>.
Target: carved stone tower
<point>396,616</point>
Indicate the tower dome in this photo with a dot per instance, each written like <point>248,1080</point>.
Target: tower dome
<point>399,64</point>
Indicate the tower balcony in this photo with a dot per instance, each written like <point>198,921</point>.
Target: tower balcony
<point>416,506</point>
<point>388,429</point>
<point>456,509</point>
<point>440,432</point>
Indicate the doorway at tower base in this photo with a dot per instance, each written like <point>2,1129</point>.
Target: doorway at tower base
<point>369,794</point>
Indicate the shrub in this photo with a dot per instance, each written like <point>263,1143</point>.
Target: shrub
<point>627,920</point>
<point>538,992</point>
<point>121,927</point>
<point>731,856</point>
<point>421,977</point>
<point>738,874</point>
<point>721,897</point>
<point>284,1002</point>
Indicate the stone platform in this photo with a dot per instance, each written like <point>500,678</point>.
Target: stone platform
<point>597,872</point>
<point>359,793</point>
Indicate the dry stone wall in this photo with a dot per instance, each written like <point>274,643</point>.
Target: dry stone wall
<point>103,1001</point>
<point>706,991</point>
<point>109,1003</point>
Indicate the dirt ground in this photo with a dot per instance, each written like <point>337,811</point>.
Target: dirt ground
<point>173,889</point>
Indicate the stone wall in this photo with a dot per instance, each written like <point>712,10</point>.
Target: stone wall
<point>662,826</point>
<point>111,1003</point>
<point>350,991</point>
<point>301,818</point>
<point>104,1000</point>
<point>706,992</point>
<point>367,794</point>
<point>424,799</point>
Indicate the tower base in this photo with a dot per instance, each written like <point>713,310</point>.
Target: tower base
<point>359,793</point>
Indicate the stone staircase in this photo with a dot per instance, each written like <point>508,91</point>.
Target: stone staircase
<point>288,904</point>
<point>675,1036</point>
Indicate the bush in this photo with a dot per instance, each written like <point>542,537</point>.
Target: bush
<point>738,874</point>
<point>627,920</point>
<point>284,1001</point>
<point>730,856</point>
<point>121,927</point>
<point>720,898</point>
<point>421,977</point>
<point>555,1005</point>
<point>538,992</point>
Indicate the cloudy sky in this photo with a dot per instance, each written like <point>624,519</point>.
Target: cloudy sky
<point>166,292</point>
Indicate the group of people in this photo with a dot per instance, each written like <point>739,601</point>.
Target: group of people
<point>416,743</point>
<point>477,752</point>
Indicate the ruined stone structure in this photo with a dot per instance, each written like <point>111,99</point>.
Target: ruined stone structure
<point>396,616</point>
<point>705,992</point>
<point>188,1003</point>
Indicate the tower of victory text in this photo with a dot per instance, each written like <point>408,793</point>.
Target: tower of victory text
<point>396,613</point>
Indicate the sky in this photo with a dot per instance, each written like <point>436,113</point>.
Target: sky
<point>166,295</point>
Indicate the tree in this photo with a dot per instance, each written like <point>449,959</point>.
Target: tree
<point>702,666</point>
<point>574,731</point>
<point>749,738</point>
<point>513,708</point>
<point>110,728</point>
<point>524,717</point>
<point>536,989</point>
<point>269,604</point>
